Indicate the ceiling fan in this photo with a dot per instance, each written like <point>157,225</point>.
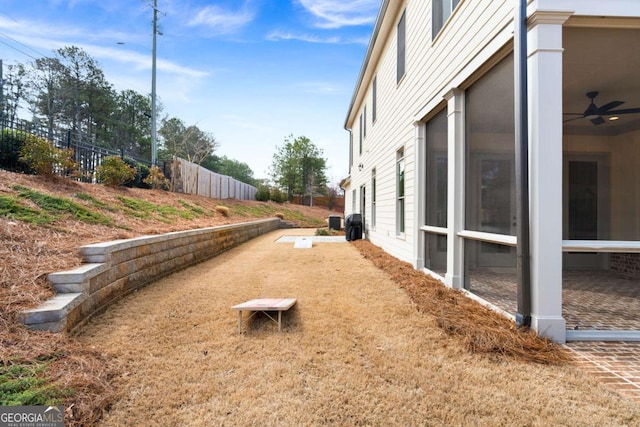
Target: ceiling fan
<point>595,113</point>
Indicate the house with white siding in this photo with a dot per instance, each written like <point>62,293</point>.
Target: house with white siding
<point>536,214</point>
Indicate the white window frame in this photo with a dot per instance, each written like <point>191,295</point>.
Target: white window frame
<point>400,193</point>
<point>373,198</point>
<point>374,100</point>
<point>361,136</point>
<point>401,47</point>
<point>441,11</point>
<point>364,122</point>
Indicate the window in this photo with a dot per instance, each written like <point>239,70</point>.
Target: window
<point>374,99</point>
<point>490,203</point>
<point>401,47</point>
<point>364,122</point>
<point>360,141</point>
<point>436,133</point>
<point>353,201</point>
<point>373,199</point>
<point>400,192</point>
<point>441,11</point>
<point>436,171</point>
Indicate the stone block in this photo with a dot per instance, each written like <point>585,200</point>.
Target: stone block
<point>53,310</point>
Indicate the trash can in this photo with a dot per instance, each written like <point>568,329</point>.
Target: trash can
<point>353,227</point>
<point>334,222</point>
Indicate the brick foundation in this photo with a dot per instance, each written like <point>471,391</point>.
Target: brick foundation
<point>627,265</point>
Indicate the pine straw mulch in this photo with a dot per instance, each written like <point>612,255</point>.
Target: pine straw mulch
<point>481,330</point>
<point>27,255</point>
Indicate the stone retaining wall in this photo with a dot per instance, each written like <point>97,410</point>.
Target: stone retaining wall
<point>113,269</point>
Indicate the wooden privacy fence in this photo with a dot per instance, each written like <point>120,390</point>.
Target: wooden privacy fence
<point>194,179</point>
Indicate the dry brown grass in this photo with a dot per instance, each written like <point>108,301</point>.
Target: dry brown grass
<point>354,351</point>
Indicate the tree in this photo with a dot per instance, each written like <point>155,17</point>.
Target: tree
<point>190,143</point>
<point>48,94</point>
<point>71,90</point>
<point>15,84</point>
<point>131,124</point>
<point>89,96</point>
<point>233,168</point>
<point>299,168</point>
<point>334,192</point>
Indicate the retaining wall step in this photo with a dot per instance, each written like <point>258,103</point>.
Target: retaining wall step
<point>52,310</point>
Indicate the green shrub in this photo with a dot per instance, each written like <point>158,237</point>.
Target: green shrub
<point>11,208</point>
<point>263,194</point>
<point>278,196</point>
<point>25,384</point>
<point>156,179</point>
<point>11,142</point>
<point>142,172</point>
<point>322,232</point>
<point>56,206</point>
<point>45,159</point>
<point>114,171</point>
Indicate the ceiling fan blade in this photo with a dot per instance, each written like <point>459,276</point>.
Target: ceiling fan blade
<point>623,111</point>
<point>598,120</point>
<point>572,119</point>
<point>573,114</point>
<point>610,106</point>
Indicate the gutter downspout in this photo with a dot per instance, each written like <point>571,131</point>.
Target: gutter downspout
<point>523,253</point>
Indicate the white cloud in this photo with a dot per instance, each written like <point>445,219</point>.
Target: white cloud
<point>341,13</point>
<point>141,61</point>
<point>278,35</point>
<point>223,21</point>
<point>26,36</point>
<point>309,38</point>
<point>321,88</point>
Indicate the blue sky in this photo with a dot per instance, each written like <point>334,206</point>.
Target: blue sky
<point>251,72</point>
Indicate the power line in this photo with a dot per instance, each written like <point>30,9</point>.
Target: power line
<point>16,49</point>
<point>21,44</point>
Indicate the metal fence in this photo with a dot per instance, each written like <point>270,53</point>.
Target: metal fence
<point>87,156</point>
<point>192,178</point>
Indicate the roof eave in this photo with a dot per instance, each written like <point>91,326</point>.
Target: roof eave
<point>367,58</point>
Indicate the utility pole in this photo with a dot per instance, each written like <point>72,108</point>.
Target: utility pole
<point>154,135</point>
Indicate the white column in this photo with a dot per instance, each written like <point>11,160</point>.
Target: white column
<point>455,188</point>
<point>419,194</point>
<point>544,67</point>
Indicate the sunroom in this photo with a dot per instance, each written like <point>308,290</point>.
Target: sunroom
<point>584,98</point>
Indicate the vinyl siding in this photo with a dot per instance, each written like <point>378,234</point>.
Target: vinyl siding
<point>432,68</point>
